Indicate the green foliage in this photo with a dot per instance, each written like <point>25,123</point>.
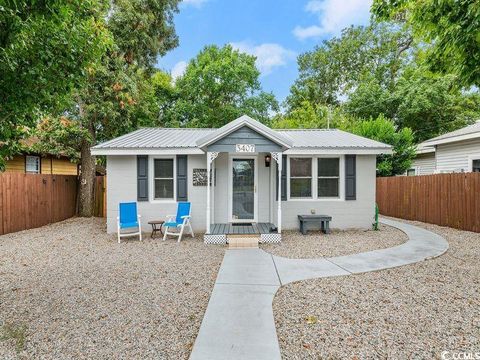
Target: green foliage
<point>219,84</point>
<point>310,116</point>
<point>378,70</point>
<point>384,130</point>
<point>45,50</point>
<point>333,69</point>
<point>59,136</point>
<point>18,333</point>
<point>450,28</point>
<point>143,29</point>
<point>429,104</point>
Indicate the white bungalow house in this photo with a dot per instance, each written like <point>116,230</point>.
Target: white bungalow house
<point>322,171</point>
<point>456,151</point>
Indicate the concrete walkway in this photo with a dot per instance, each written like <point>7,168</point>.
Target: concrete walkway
<point>239,322</point>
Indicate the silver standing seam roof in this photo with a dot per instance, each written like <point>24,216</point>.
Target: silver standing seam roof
<point>187,138</point>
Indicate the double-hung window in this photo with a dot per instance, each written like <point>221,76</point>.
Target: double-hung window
<point>163,179</point>
<point>32,164</point>
<point>300,177</point>
<point>328,177</point>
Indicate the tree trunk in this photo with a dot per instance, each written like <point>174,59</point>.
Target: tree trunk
<point>87,177</point>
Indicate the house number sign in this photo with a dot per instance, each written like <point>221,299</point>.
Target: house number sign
<point>245,148</point>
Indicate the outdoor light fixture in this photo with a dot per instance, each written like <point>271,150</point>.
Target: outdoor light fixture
<point>268,159</point>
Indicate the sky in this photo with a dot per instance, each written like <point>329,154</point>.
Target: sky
<point>275,31</point>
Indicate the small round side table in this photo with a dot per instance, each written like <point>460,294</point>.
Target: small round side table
<point>156,226</point>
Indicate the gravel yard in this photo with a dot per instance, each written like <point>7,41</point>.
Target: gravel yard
<point>316,244</point>
<point>70,291</point>
<point>415,311</point>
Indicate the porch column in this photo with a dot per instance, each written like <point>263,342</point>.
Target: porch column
<point>213,191</point>
<point>278,158</point>
<point>210,158</point>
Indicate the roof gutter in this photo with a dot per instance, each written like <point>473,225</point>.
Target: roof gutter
<point>452,139</point>
<point>340,151</point>
<point>147,151</point>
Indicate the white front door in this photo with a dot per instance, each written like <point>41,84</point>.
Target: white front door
<point>243,189</point>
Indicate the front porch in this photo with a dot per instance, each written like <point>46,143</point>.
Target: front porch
<point>243,229</point>
<point>219,233</point>
<point>242,197</point>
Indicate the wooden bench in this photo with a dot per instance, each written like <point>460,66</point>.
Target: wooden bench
<point>322,220</point>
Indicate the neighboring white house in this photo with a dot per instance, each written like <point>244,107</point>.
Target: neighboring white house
<point>456,151</point>
<point>329,172</point>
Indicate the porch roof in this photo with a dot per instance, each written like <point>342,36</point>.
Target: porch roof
<point>245,120</point>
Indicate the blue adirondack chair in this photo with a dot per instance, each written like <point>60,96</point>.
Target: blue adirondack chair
<point>179,221</point>
<point>128,219</point>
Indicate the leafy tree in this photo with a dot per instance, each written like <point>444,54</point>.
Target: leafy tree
<point>219,84</point>
<point>429,104</point>
<point>311,116</point>
<point>117,94</point>
<point>384,130</point>
<point>336,67</point>
<point>450,28</point>
<point>45,49</point>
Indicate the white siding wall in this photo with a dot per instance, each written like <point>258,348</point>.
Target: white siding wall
<point>122,187</point>
<point>345,214</point>
<point>424,164</point>
<point>454,157</point>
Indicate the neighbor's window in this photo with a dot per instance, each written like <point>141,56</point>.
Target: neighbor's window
<point>411,172</point>
<point>476,165</point>
<point>163,178</point>
<point>328,177</point>
<point>300,177</point>
<point>32,164</point>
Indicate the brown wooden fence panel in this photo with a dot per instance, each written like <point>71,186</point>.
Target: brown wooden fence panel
<point>444,199</point>
<point>100,203</point>
<point>30,200</point>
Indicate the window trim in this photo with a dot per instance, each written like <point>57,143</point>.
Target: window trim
<point>300,177</point>
<point>151,174</point>
<point>39,171</point>
<point>470,161</point>
<point>415,169</point>
<point>330,177</point>
<point>341,190</point>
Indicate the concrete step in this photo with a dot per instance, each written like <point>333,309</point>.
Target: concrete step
<point>243,241</point>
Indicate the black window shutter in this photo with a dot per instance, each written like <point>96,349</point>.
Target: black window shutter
<point>284,180</point>
<point>182,178</point>
<point>350,177</point>
<point>142,177</point>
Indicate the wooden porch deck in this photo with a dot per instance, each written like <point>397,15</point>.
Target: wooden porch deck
<point>242,229</point>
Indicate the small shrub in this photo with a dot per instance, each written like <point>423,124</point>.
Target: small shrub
<point>15,332</point>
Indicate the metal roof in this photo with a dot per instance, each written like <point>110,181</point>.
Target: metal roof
<point>423,148</point>
<point>468,132</point>
<point>330,138</point>
<point>157,138</point>
<point>182,139</point>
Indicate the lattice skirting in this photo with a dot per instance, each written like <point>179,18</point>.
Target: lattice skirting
<point>270,238</point>
<point>215,239</point>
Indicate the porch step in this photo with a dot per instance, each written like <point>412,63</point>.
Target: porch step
<point>243,241</point>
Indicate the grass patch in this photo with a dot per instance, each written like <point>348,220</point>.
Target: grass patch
<point>14,332</point>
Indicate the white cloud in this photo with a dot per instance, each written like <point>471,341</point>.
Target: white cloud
<point>178,70</point>
<point>333,16</point>
<point>195,3</point>
<point>269,55</point>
